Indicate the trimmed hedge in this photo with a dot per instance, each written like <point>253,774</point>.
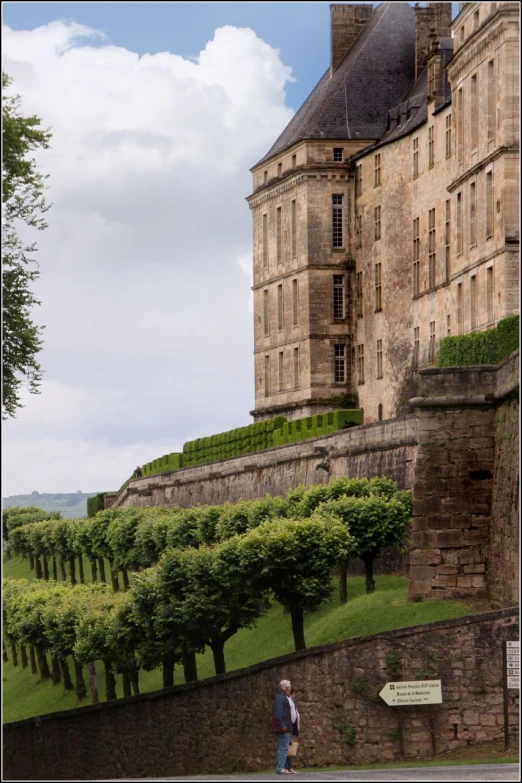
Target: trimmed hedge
<point>489,347</point>
<point>95,504</point>
<point>314,426</point>
<point>164,464</point>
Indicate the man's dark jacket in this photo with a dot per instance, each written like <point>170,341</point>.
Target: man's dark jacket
<point>281,719</point>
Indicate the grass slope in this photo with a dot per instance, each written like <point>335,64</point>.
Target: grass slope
<point>24,696</point>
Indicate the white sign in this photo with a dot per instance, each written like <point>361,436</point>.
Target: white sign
<point>513,664</point>
<point>396,694</point>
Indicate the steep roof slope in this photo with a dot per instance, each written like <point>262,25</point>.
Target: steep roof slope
<point>353,101</point>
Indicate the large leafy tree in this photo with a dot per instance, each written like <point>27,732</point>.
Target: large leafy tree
<point>24,205</point>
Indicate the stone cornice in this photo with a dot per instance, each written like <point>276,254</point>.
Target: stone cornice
<point>273,190</point>
<point>345,264</point>
<point>464,56</point>
<point>480,165</point>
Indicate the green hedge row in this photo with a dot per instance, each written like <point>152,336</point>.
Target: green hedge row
<point>163,464</point>
<point>489,347</point>
<point>313,426</point>
<point>95,504</point>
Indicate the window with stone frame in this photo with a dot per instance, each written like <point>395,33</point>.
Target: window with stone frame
<point>472,214</point>
<point>490,301</point>
<point>280,313</point>
<point>294,228</point>
<point>460,309</point>
<point>379,358</point>
<point>358,180</point>
<point>360,363</point>
<point>279,243</point>
<point>294,161</point>
<point>338,154</point>
<point>377,170</point>
<point>358,230</point>
<point>378,287</point>
<point>491,100</point>
<point>339,305</point>
<point>416,258</point>
<point>295,302</point>
<point>337,220</point>
<point>448,326</point>
<point>431,352</point>
<point>460,126</point>
<point>447,238</point>
<point>448,135</point>
<point>340,363</point>
<point>416,347</point>
<point>459,224</point>
<point>490,223</point>
<point>297,370</point>
<point>266,313</point>
<point>474,118</point>
<point>377,222</point>
<point>379,412</point>
<point>265,177</point>
<point>279,169</point>
<point>281,371</point>
<point>265,241</point>
<point>359,294</point>
<point>432,253</point>
<point>473,301</point>
<point>267,376</point>
<point>431,146</point>
<point>415,157</point>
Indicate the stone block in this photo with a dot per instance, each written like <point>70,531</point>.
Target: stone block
<point>471,718</point>
<point>439,522</point>
<point>432,556</point>
<point>472,537</point>
<point>449,538</point>
<point>464,581</point>
<point>422,572</point>
<point>446,569</point>
<point>478,568</point>
<point>478,581</point>
<point>445,580</point>
<point>466,557</point>
<point>461,521</point>
<point>487,719</point>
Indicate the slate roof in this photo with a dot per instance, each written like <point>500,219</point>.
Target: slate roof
<point>353,102</point>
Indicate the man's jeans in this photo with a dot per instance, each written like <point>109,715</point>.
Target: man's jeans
<point>283,743</point>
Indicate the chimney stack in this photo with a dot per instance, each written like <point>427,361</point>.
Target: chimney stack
<point>346,22</point>
<point>437,15</point>
<point>435,71</point>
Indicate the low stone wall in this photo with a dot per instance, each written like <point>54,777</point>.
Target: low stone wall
<point>221,725</point>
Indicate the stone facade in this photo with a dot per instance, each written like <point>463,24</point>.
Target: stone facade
<point>430,221</point>
<point>344,721</point>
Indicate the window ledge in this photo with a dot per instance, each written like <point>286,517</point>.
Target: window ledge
<point>378,310</point>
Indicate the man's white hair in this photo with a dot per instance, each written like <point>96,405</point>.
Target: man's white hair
<point>284,684</point>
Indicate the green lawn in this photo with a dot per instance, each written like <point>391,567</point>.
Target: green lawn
<point>24,696</point>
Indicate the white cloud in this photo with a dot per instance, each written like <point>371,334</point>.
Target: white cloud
<point>145,282</point>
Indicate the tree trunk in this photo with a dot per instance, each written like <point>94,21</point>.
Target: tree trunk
<point>72,570</point>
<point>343,581</point>
<point>110,682</point>
<point>94,570</point>
<point>190,669</point>
<point>55,569</point>
<point>45,568</point>
<point>32,658</point>
<point>102,570</point>
<point>368,565</point>
<point>31,562</point>
<point>218,651</point>
<point>114,578</point>
<point>66,675</point>
<point>80,566</point>
<point>43,666</point>
<point>135,682</point>
<point>297,615</point>
<point>62,570</point>
<point>23,650</point>
<point>126,685</point>
<point>125,578</point>
<point>14,654</point>
<point>167,667</point>
<point>56,675</point>
<point>80,687</point>
<point>38,567</point>
<point>4,652</point>
<point>93,683</point>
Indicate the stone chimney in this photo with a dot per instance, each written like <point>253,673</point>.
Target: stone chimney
<point>437,15</point>
<point>435,71</point>
<point>346,22</point>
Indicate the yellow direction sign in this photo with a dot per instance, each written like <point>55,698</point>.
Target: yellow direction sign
<point>398,694</point>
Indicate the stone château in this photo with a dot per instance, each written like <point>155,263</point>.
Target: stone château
<point>386,214</point>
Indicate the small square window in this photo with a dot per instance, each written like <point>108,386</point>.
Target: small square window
<point>338,154</point>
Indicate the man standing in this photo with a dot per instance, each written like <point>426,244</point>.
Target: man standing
<point>282,724</point>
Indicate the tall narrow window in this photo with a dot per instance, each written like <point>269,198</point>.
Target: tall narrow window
<point>432,256</point>
<point>491,100</point>
<point>416,347</point>
<point>294,161</point>
<point>460,309</point>
<point>448,135</point>
<point>295,303</point>
<point>267,376</point>
<point>377,170</point>
<point>473,301</point>
<point>431,346</point>
<point>338,297</point>
<point>459,224</point>
<point>378,287</point>
<point>359,294</point>
<point>360,362</point>
<point>279,169</point>
<point>447,239</point>
<point>278,235</point>
<point>379,358</point>
<point>416,258</point>
<point>358,230</point>
<point>281,371</point>
<point>265,241</point>
<point>415,157</point>
<point>490,302</point>
<point>266,314</point>
<point>460,125</point>
<point>280,316</point>
<point>358,180</point>
<point>431,146</point>
<point>472,214</point>
<point>294,229</point>
<point>338,154</point>
<point>431,80</point>
<point>476,20</point>
<point>265,177</point>
<point>340,363</point>
<point>448,326</point>
<point>377,221</point>
<point>296,369</point>
<point>379,411</point>
<point>474,112</point>
<point>489,205</point>
<point>337,220</point>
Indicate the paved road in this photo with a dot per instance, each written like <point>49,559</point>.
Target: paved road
<point>479,772</point>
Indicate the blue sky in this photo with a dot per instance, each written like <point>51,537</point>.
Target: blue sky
<point>299,30</point>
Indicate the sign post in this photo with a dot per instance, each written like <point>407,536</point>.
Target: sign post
<point>423,692</point>
<point>511,679</point>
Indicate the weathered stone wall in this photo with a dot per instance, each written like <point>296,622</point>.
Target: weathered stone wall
<point>221,725</point>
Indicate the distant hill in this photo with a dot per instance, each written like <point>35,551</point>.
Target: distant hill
<point>72,505</point>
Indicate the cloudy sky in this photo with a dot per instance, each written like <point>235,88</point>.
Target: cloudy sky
<point>157,110</point>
